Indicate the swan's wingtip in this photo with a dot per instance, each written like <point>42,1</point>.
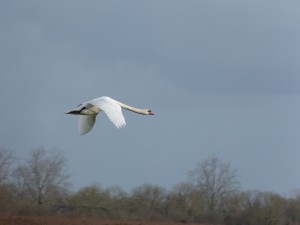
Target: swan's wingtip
<point>121,125</point>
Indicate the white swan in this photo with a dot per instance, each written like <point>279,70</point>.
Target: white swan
<point>112,108</point>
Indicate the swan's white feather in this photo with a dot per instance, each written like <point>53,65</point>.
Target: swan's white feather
<point>112,109</point>
<point>86,123</point>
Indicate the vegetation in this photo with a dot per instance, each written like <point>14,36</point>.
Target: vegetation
<point>40,186</point>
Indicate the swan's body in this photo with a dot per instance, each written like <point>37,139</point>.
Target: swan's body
<point>112,108</point>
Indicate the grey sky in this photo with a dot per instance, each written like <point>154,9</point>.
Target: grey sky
<point>222,77</point>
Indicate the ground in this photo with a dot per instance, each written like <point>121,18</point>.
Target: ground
<point>26,220</point>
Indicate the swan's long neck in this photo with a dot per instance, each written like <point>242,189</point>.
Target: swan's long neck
<point>132,109</point>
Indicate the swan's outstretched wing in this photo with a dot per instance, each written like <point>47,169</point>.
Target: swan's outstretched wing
<point>112,109</point>
<point>86,123</point>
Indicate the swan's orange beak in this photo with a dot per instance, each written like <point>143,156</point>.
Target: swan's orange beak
<point>151,113</point>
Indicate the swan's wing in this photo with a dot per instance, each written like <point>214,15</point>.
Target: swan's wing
<point>86,123</point>
<point>112,109</point>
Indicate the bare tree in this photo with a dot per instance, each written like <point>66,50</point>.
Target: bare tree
<point>148,202</point>
<point>183,203</point>
<point>43,178</point>
<point>6,189</point>
<point>6,159</point>
<point>216,181</point>
<point>91,201</point>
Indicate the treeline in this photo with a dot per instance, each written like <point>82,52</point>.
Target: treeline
<point>211,194</point>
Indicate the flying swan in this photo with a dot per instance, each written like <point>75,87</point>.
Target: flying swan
<point>112,108</point>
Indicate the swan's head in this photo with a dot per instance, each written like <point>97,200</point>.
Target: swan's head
<point>149,112</point>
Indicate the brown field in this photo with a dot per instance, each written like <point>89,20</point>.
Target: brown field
<point>29,220</point>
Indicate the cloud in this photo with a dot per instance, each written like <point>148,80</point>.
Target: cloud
<point>219,74</point>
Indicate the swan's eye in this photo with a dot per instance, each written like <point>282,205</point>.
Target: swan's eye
<point>83,109</point>
<point>149,111</point>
